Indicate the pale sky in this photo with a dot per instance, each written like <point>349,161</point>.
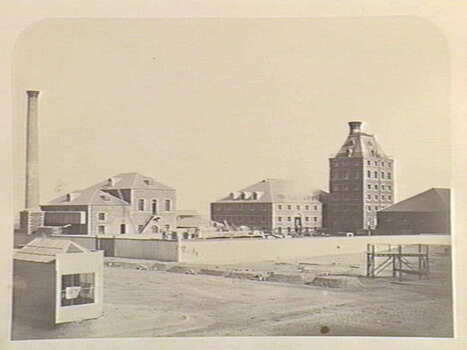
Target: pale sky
<point>209,106</point>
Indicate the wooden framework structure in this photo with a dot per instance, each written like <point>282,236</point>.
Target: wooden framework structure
<point>403,259</point>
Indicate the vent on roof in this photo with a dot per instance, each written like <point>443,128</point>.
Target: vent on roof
<point>71,196</point>
<point>111,181</point>
<point>148,182</point>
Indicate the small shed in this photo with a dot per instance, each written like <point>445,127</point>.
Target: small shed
<point>56,281</point>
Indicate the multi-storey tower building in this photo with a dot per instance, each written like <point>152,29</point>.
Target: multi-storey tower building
<point>361,182</point>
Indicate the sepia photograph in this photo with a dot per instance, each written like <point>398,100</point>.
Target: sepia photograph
<point>231,177</point>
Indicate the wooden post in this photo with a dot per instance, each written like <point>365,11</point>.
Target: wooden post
<point>427,261</point>
<point>373,260</point>
<point>399,255</point>
<point>420,260</point>
<point>368,260</point>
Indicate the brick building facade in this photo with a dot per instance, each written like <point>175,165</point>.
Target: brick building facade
<point>361,182</point>
<point>272,205</point>
<point>123,204</point>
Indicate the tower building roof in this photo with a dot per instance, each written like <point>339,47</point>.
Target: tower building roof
<point>360,144</point>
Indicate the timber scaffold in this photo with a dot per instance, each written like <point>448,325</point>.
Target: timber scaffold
<point>402,259</point>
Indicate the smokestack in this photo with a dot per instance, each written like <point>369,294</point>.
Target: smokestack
<point>355,127</point>
<point>32,152</point>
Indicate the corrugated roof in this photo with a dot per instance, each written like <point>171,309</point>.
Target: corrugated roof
<point>274,190</point>
<point>97,195</point>
<point>432,200</point>
<point>44,250</point>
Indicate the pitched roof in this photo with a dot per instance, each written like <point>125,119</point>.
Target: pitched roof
<point>273,190</point>
<point>97,195</point>
<point>432,200</point>
<point>360,144</point>
<point>45,250</point>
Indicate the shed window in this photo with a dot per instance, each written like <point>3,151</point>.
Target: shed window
<point>78,289</point>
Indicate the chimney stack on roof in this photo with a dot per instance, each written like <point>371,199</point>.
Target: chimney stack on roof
<point>355,127</point>
<point>32,151</point>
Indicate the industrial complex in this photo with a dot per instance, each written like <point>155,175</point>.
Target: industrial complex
<point>60,245</point>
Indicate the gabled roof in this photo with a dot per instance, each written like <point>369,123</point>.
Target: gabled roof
<point>98,195</point>
<point>45,250</point>
<point>273,190</point>
<point>432,200</point>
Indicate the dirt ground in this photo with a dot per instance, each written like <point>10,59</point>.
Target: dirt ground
<point>140,303</point>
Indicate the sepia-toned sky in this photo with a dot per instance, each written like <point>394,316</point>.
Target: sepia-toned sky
<point>209,106</point>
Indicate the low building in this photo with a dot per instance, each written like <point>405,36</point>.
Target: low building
<point>426,212</point>
<point>272,205</point>
<point>56,281</point>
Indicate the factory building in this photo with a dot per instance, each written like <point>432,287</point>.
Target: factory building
<point>127,203</point>
<point>361,182</point>
<point>271,205</point>
<point>426,212</point>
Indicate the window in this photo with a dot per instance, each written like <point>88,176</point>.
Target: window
<point>369,174</point>
<point>279,207</point>
<point>383,198</point>
<point>289,207</point>
<point>369,162</point>
<point>307,218</point>
<point>77,289</point>
<point>255,195</point>
<point>122,228</point>
<point>167,205</point>
<point>389,188</point>
<point>369,208</point>
<point>376,174</point>
<point>369,187</point>
<point>376,163</point>
<point>390,197</point>
<point>289,219</point>
<point>315,219</point>
<point>382,174</point>
<point>101,216</point>
<point>382,164</point>
<point>369,196</point>
<point>376,187</point>
<point>289,229</point>
<point>376,208</point>
<point>389,175</point>
<point>279,230</point>
<point>279,218</point>
<point>307,207</point>
<point>382,187</point>
<point>101,229</point>
<point>154,206</point>
<point>140,228</point>
<point>141,204</point>
<point>316,207</point>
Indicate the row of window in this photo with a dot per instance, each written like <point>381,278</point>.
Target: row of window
<point>377,197</point>
<point>383,164</point>
<point>290,229</point>
<point>383,187</point>
<point>297,207</point>
<point>154,205</point>
<point>384,175</point>
<point>289,218</point>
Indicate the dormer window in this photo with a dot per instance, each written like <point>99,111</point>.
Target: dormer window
<point>147,182</point>
<point>71,196</point>
<point>255,195</point>
<point>111,181</point>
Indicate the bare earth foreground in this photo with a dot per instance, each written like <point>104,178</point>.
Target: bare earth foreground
<point>165,304</point>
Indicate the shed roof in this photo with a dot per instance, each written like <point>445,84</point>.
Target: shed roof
<point>432,200</point>
<point>45,250</point>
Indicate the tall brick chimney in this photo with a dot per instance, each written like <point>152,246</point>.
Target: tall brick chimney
<point>32,152</point>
